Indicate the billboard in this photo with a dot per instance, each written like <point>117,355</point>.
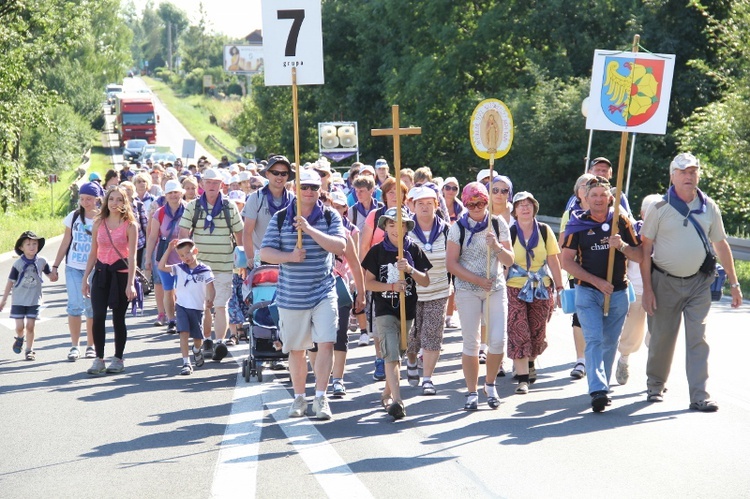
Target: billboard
<point>243,58</point>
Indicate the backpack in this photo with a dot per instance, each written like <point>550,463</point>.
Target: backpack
<point>514,233</point>
<point>227,217</point>
<point>462,233</point>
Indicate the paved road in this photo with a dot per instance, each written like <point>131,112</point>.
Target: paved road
<point>150,432</point>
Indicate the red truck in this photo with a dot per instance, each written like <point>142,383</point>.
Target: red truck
<point>136,118</point>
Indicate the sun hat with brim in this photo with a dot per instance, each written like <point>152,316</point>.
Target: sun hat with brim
<point>421,192</point>
<point>682,161</point>
<point>212,174</point>
<point>173,186</point>
<point>474,190</point>
<point>28,235</point>
<point>338,197</point>
<point>92,189</point>
<point>278,159</point>
<point>309,177</point>
<point>392,214</point>
<point>523,195</point>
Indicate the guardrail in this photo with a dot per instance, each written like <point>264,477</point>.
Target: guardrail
<point>740,247</point>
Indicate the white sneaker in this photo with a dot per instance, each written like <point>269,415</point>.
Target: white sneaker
<point>116,366</point>
<point>97,368</point>
<point>321,409</point>
<point>364,340</point>
<point>622,373</point>
<point>74,354</point>
<point>298,408</point>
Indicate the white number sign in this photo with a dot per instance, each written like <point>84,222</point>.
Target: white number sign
<point>292,38</point>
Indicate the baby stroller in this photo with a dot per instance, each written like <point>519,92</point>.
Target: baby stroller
<point>261,326</point>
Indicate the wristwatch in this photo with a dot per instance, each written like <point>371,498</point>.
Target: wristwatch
<point>735,285</point>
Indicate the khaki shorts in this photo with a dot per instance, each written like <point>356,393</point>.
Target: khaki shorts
<point>223,287</point>
<point>299,329</point>
<point>389,335</point>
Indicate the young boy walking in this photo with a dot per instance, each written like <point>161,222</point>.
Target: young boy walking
<point>382,267</point>
<point>194,289</point>
<point>26,282</point>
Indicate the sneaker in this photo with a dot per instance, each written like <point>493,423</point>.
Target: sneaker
<point>353,323</point>
<point>208,348</point>
<point>599,401</point>
<point>298,408</point>
<point>522,388</point>
<point>704,406</point>
<point>579,371</point>
<point>30,355</point>
<point>186,370</point>
<point>160,320</point>
<point>321,409</point>
<point>172,327</point>
<point>482,357</point>
<point>655,397</point>
<point>18,345</point>
<point>412,375</point>
<point>622,373</point>
<point>198,358</point>
<point>364,340</point>
<point>90,352</point>
<point>116,366</point>
<point>74,354</point>
<point>397,410</point>
<point>339,390</point>
<point>97,368</point>
<point>220,352</point>
<point>450,323</point>
<point>379,374</point>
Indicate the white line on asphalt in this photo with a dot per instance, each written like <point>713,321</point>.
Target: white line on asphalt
<point>332,473</point>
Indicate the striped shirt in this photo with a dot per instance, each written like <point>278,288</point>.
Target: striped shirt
<point>215,248</point>
<point>303,285</point>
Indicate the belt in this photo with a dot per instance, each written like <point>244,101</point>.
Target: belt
<point>654,267</point>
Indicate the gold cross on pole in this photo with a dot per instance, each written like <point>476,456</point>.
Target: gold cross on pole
<point>396,133</point>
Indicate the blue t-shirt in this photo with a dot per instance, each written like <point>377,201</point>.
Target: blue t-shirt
<point>303,285</point>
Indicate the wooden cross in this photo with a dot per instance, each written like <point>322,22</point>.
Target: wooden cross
<point>396,133</point>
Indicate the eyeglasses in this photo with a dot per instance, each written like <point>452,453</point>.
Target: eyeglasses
<point>278,173</point>
<point>255,187</point>
<point>313,188</point>
<point>451,188</point>
<point>478,204</point>
<point>497,190</point>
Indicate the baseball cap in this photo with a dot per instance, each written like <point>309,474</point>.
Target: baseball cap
<point>520,196</point>
<point>483,174</point>
<point>309,177</point>
<point>381,163</point>
<point>237,196</point>
<point>682,161</point>
<point>278,159</point>
<point>172,186</point>
<point>451,180</point>
<point>94,176</point>
<point>367,168</point>
<point>338,197</point>
<point>212,174</point>
<point>600,159</point>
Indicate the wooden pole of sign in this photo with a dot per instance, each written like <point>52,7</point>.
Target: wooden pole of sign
<point>297,184</point>
<point>493,150</point>
<point>397,132</point>
<point>618,194</point>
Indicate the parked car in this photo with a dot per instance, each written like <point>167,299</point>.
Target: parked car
<point>133,149</point>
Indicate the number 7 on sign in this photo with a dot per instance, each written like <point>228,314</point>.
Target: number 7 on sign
<point>297,45</point>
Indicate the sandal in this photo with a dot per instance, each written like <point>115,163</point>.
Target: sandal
<point>493,402</point>
<point>17,345</point>
<point>472,402</point>
<point>232,341</point>
<point>386,401</point>
<point>397,410</point>
<point>579,371</point>
<point>428,388</point>
<point>30,355</point>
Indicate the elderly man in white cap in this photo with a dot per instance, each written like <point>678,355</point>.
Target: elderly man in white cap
<point>309,316</point>
<point>214,223</point>
<point>684,233</point>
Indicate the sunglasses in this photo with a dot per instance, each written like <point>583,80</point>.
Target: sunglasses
<point>598,182</point>
<point>497,190</point>
<point>313,188</point>
<point>278,173</point>
<point>255,187</point>
<point>450,188</point>
<point>478,204</point>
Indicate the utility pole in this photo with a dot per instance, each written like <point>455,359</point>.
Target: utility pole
<point>169,45</point>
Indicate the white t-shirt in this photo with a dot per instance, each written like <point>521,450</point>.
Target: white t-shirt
<point>191,289</point>
<point>80,244</point>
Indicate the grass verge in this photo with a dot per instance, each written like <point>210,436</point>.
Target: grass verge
<point>193,111</point>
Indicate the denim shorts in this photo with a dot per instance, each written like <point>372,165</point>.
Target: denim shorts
<point>24,312</point>
<point>166,279</point>
<point>190,321</point>
<point>77,304</point>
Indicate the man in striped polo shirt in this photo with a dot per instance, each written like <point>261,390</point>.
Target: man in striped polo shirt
<point>217,221</point>
<point>306,298</point>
